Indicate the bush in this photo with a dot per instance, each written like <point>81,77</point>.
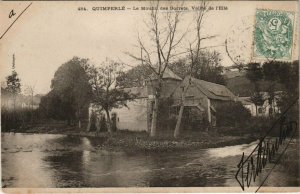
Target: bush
<point>265,125</point>
<point>14,119</point>
<point>259,125</point>
<point>232,114</point>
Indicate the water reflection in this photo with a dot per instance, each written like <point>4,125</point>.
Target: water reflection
<point>21,157</point>
<point>41,160</point>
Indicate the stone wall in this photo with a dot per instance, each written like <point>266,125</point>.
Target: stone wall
<point>133,117</point>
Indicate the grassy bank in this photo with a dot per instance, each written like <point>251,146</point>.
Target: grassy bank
<point>140,142</point>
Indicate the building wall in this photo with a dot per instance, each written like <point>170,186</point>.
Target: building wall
<point>137,115</point>
<point>251,108</point>
<point>193,96</point>
<point>133,117</point>
<point>262,111</point>
<point>168,86</point>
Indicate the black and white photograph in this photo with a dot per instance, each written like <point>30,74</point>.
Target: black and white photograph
<point>149,96</point>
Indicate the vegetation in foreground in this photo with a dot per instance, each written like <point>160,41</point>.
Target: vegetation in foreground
<point>141,142</point>
<point>132,142</point>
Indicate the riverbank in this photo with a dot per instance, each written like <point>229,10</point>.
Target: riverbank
<point>131,142</point>
<point>140,142</point>
<point>60,161</point>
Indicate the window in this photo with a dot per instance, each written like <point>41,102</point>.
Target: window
<point>270,111</point>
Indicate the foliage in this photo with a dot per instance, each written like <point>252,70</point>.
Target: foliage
<point>254,72</point>
<point>106,89</point>
<point>29,92</point>
<point>287,74</point>
<point>13,120</point>
<point>285,100</point>
<point>195,57</point>
<point>272,70</point>
<point>180,67</point>
<point>232,114</point>
<point>13,82</point>
<point>134,77</point>
<point>257,99</point>
<point>283,72</point>
<point>274,73</point>
<point>163,40</point>
<point>51,106</point>
<point>70,91</point>
<point>207,67</point>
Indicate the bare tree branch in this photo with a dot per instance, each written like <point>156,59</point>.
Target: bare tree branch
<point>144,61</point>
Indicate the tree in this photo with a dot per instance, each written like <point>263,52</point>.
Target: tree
<point>13,83</point>
<point>271,96</point>
<point>134,77</point>
<point>195,57</point>
<point>257,99</point>
<point>106,89</point>
<point>164,39</point>
<point>285,73</point>
<point>255,74</point>
<point>208,68</point>
<point>71,85</point>
<point>29,92</point>
<point>289,77</point>
<point>51,106</point>
<point>180,67</point>
<point>271,72</point>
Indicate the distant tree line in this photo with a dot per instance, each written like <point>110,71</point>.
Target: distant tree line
<point>209,68</point>
<point>274,72</point>
<point>77,83</point>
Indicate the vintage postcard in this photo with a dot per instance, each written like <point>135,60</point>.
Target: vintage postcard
<point>149,96</point>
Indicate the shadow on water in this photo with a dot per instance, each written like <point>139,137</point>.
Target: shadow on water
<point>41,160</point>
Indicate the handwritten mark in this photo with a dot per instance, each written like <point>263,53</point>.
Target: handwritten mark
<point>11,13</point>
<point>14,20</point>
<point>266,151</point>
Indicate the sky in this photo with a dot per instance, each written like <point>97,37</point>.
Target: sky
<point>49,34</point>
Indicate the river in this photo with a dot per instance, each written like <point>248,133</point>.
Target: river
<point>48,160</point>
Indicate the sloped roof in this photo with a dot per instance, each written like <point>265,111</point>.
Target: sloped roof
<point>245,100</point>
<point>209,89</point>
<point>141,92</point>
<point>168,74</point>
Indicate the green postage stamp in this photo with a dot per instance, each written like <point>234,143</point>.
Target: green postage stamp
<point>273,34</point>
